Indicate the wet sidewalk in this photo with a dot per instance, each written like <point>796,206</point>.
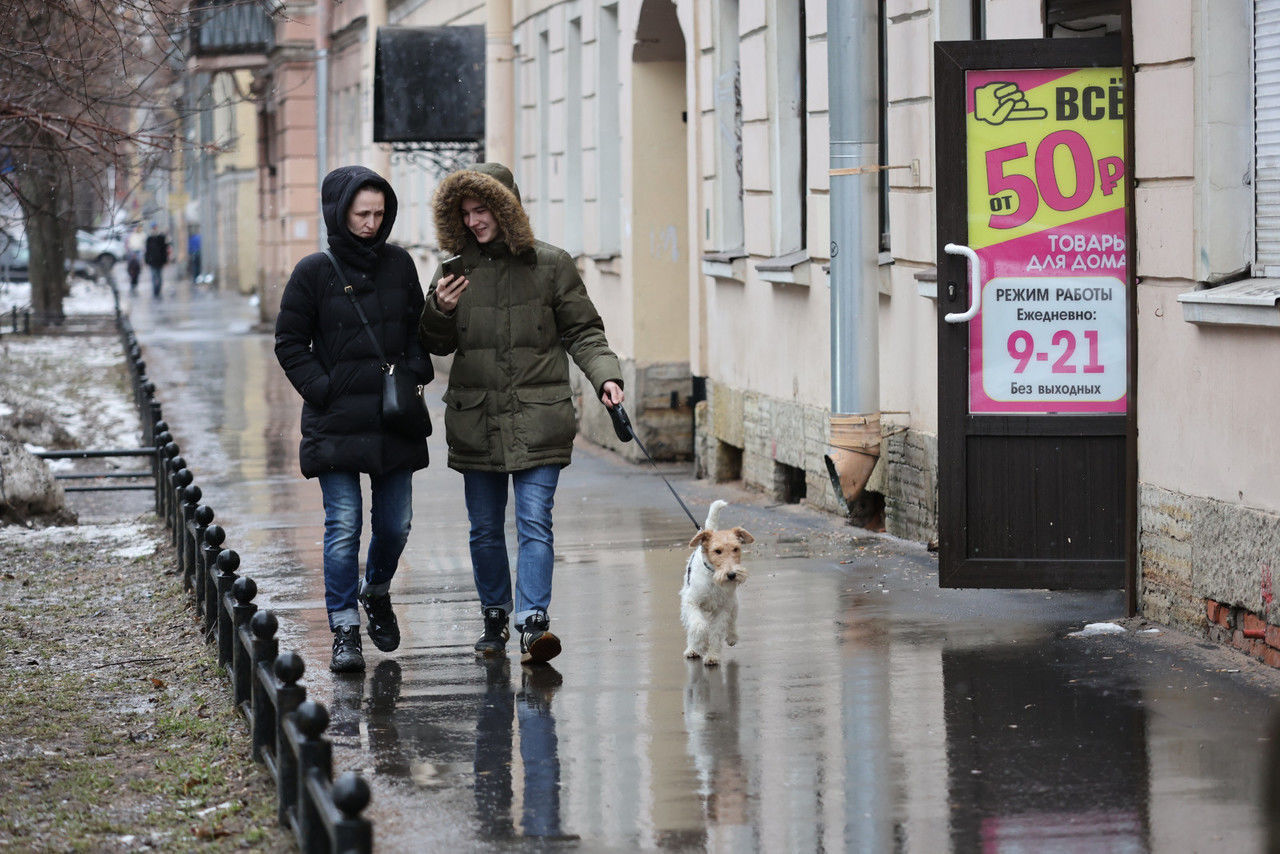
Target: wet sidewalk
<point>863,710</point>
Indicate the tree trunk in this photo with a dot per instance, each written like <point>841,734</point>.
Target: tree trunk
<point>41,187</point>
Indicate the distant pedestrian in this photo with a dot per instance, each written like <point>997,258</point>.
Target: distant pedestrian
<point>156,255</point>
<point>514,315</point>
<point>193,256</point>
<point>136,242</point>
<point>327,352</point>
<point>134,267</point>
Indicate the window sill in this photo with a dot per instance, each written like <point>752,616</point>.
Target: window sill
<point>1252,302</point>
<point>927,283</point>
<point>789,269</point>
<point>725,265</point>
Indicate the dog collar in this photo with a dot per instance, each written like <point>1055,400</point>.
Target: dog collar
<point>688,567</point>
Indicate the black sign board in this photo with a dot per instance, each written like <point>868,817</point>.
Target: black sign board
<point>428,84</point>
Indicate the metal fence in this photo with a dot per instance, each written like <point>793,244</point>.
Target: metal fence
<point>322,813</point>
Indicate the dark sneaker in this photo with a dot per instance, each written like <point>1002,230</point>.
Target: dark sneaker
<point>347,657</point>
<point>494,639</point>
<point>537,644</point>
<point>384,631</point>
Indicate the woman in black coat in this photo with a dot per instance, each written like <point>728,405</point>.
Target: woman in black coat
<point>328,356</point>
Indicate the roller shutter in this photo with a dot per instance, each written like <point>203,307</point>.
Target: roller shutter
<point>1266,57</point>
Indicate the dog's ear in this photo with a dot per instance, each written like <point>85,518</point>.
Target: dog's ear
<point>743,536</point>
<point>699,538</point>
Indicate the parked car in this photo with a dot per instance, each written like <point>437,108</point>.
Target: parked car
<point>102,246</point>
<point>15,262</point>
<point>14,258</point>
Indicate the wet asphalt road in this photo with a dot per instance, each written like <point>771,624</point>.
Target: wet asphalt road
<point>863,710</point>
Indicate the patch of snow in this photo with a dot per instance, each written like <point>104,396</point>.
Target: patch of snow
<point>131,552</point>
<point>101,417</point>
<point>225,805</point>
<point>85,297</point>
<point>129,535</point>
<point>1093,629</point>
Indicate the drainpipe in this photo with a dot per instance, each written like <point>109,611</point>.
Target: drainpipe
<point>853,75</point>
<point>499,84</point>
<point>322,102</point>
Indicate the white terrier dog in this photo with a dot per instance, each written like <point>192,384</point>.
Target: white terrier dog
<point>709,597</point>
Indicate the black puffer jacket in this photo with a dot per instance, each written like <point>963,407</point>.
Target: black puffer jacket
<point>325,351</point>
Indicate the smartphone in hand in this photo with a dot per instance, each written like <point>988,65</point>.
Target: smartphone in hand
<point>452,266</point>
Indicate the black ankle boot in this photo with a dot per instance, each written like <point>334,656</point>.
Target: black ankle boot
<point>383,629</point>
<point>494,639</point>
<point>347,655</point>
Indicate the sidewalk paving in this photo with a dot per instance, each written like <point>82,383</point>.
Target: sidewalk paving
<point>865,708</point>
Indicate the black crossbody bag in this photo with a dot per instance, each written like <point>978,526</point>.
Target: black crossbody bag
<point>403,409</point>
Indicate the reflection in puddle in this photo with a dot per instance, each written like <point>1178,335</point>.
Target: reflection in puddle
<point>863,710</point>
<point>1039,765</point>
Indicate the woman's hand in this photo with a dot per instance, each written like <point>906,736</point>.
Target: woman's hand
<point>611,394</point>
<point>448,291</point>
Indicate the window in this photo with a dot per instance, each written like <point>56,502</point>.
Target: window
<point>1237,151</point>
<point>542,225</point>
<point>573,141</point>
<point>882,147</point>
<point>788,142</point>
<point>1266,49</point>
<point>729,233</point>
<point>1082,18</point>
<point>608,144</point>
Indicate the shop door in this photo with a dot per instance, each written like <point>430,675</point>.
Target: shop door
<point>1035,359</point>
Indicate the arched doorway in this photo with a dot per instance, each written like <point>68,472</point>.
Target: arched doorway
<point>658,243</point>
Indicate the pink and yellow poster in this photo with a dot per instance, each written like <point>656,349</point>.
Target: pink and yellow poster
<point>1046,179</point>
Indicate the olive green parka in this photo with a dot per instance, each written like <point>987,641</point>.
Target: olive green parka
<point>509,405</point>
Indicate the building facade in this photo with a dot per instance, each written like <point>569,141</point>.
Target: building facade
<point>684,154</point>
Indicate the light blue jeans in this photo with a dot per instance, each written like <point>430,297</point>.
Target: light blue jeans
<point>486,494</point>
<point>390,514</point>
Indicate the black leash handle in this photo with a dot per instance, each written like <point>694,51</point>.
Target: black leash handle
<point>625,432</point>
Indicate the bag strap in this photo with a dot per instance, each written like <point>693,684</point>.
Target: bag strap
<point>351,295</point>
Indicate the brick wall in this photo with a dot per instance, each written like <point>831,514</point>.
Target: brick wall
<point>1205,567</point>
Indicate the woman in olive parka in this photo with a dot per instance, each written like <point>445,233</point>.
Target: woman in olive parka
<point>511,319</point>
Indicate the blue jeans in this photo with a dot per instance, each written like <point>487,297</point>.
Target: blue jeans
<point>486,494</point>
<point>157,280</point>
<point>390,512</point>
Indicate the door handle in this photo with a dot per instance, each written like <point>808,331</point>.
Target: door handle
<point>975,283</point>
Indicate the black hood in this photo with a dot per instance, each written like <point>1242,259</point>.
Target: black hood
<point>336,195</point>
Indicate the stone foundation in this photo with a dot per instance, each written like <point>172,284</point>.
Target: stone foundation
<point>777,447</point>
<point>910,485</point>
<point>1201,559</point>
<point>657,403</point>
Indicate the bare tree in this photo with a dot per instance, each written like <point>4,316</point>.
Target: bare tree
<point>86,91</point>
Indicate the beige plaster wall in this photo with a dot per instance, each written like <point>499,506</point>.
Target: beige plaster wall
<point>1208,395</point>
<point>659,235</point>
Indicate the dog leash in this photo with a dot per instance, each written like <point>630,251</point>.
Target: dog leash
<point>623,430</point>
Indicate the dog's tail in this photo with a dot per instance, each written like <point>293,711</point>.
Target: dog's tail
<point>713,515</point>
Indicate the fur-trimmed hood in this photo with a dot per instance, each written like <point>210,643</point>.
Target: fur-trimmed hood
<point>493,184</point>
